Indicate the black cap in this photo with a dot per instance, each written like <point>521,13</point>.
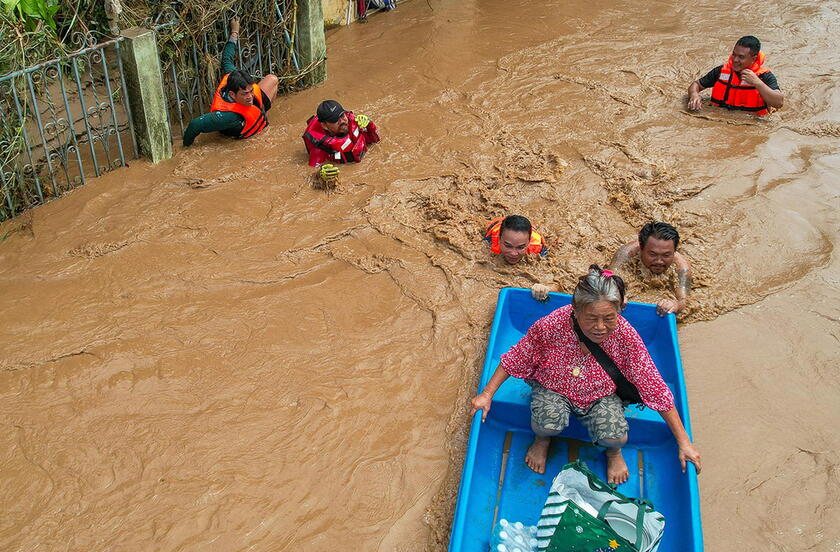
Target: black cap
<point>329,111</point>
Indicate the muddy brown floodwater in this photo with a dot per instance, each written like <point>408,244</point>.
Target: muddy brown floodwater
<point>208,354</point>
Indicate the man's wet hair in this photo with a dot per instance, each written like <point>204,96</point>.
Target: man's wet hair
<point>750,42</point>
<point>515,223</point>
<point>659,230</point>
<point>238,80</point>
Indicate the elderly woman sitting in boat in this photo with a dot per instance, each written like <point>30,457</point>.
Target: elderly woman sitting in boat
<point>557,359</point>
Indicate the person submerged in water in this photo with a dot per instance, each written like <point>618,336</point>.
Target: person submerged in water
<point>555,360</point>
<point>513,237</point>
<point>742,83</point>
<point>656,248</point>
<point>334,135</point>
<point>239,106</point>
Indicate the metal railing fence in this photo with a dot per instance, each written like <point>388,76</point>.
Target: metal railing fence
<point>68,119</point>
<point>190,59</point>
<point>61,122</point>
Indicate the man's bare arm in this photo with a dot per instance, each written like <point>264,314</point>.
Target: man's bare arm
<point>773,98</point>
<point>684,280</point>
<point>623,255</point>
<point>694,100</point>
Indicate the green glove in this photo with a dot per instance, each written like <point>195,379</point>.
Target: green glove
<point>362,121</point>
<point>328,172</point>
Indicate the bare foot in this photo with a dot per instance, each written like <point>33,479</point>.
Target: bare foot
<point>617,472</point>
<point>537,454</point>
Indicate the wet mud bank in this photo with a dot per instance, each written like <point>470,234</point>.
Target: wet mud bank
<point>209,354</point>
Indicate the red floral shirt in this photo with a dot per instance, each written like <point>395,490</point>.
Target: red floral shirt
<point>550,352</point>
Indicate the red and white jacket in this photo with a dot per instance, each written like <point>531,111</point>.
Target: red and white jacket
<point>349,148</point>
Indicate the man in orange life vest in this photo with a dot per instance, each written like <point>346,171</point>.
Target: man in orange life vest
<point>334,135</point>
<point>513,237</point>
<point>239,106</point>
<point>742,83</point>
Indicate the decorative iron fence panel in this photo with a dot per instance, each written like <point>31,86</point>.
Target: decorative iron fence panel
<point>67,119</point>
<point>61,122</point>
<point>190,58</point>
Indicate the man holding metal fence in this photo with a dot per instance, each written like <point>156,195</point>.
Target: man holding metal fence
<point>239,105</point>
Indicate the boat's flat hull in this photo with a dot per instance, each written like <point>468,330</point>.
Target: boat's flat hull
<point>496,483</point>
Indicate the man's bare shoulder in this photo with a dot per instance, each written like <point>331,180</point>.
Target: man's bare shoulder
<point>624,253</point>
<point>681,262</point>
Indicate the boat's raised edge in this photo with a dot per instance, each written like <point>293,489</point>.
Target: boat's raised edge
<point>691,471</point>
<point>461,507</point>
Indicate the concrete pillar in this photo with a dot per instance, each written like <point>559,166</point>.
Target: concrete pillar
<point>310,39</point>
<point>145,88</point>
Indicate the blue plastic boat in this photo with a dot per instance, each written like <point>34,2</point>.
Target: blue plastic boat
<point>497,484</point>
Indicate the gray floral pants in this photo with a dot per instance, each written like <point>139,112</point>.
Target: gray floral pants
<point>604,419</point>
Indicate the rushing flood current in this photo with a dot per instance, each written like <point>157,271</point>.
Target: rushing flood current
<point>208,354</point>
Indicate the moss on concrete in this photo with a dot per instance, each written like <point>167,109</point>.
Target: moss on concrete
<point>145,87</point>
<point>311,40</point>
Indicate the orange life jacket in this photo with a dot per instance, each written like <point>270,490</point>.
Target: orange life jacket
<point>494,228</point>
<point>254,115</point>
<point>728,91</point>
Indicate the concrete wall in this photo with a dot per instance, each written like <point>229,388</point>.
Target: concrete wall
<point>144,80</point>
<point>335,12</point>
<point>311,41</point>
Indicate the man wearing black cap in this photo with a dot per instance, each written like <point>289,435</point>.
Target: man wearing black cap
<point>334,135</point>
